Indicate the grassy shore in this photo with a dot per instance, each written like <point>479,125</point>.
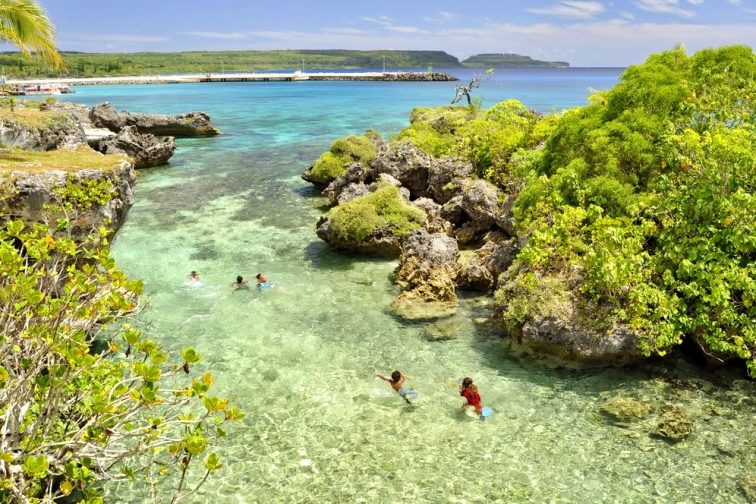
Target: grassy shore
<point>81,158</point>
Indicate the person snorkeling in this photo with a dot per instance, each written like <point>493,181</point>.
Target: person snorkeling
<point>240,284</point>
<point>397,381</point>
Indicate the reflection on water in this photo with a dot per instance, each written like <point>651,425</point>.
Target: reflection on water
<point>300,358</point>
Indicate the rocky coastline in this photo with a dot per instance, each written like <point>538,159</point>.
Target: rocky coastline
<point>125,142</point>
<point>466,240</point>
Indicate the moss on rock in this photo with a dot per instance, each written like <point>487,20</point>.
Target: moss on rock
<point>384,209</point>
<point>343,152</point>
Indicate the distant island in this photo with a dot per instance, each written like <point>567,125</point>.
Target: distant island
<point>509,60</point>
<point>78,64</point>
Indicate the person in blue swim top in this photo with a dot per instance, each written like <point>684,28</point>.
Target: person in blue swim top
<point>397,383</point>
<point>262,282</point>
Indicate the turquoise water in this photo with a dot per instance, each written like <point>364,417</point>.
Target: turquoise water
<point>300,358</point>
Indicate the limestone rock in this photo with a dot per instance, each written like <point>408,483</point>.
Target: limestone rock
<point>674,425</point>
<point>355,174</point>
<point>33,191</point>
<point>480,201</point>
<point>145,149</point>
<point>380,244</point>
<point>434,222</point>
<point>428,266</point>
<point>63,132</point>
<point>351,192</point>
<point>550,322</point>
<point>193,124</point>
<point>406,163</point>
<point>625,409</point>
<point>447,177</point>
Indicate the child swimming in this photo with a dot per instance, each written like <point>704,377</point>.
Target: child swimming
<point>194,279</point>
<point>397,380</point>
<point>470,392</point>
<point>240,284</point>
<point>262,282</point>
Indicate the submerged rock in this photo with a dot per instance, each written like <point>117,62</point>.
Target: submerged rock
<point>625,409</point>
<point>674,425</point>
<point>446,330</point>
<point>748,487</point>
<point>416,310</point>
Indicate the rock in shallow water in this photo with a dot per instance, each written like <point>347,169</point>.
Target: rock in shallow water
<point>675,425</point>
<point>625,409</point>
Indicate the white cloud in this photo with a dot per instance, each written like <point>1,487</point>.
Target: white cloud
<point>216,35</point>
<point>113,37</point>
<point>627,15</point>
<point>665,7</point>
<point>735,2</point>
<point>573,9</point>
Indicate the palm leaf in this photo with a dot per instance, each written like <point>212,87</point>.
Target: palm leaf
<point>25,24</point>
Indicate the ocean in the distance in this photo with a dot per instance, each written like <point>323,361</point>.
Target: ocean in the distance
<point>300,358</point>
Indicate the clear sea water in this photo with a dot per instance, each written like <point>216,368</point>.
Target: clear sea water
<point>300,358</point>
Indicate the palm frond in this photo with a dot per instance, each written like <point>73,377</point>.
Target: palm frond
<point>25,24</point>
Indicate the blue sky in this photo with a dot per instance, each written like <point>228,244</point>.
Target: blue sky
<point>585,33</point>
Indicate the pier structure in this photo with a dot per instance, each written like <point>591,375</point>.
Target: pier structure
<point>297,76</point>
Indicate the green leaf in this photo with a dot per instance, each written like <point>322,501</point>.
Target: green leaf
<point>190,356</point>
<point>213,462</point>
<point>36,466</point>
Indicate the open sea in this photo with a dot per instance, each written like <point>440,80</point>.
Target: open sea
<point>300,358</point>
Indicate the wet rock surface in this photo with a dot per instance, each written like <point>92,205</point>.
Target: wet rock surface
<point>626,409</point>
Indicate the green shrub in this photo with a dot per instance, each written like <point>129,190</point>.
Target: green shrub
<point>360,218</point>
<point>529,295</point>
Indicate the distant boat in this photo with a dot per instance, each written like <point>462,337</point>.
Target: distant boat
<point>46,89</point>
<point>300,75</point>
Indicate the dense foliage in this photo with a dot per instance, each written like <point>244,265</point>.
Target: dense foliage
<point>509,60</point>
<point>363,217</point>
<point>640,205</point>
<point>84,396</point>
<point>150,63</point>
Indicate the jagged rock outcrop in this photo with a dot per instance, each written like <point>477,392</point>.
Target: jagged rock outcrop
<point>60,131</point>
<point>193,124</point>
<point>145,149</point>
<point>482,269</point>
<point>427,268</point>
<point>33,191</point>
<point>382,243</point>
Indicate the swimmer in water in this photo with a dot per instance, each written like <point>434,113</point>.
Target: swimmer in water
<point>397,381</point>
<point>262,281</point>
<point>240,284</point>
<point>194,276</point>
<point>469,391</point>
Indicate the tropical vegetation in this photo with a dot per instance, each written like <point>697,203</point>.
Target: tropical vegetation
<point>638,205</point>
<point>85,397</point>
<point>25,24</point>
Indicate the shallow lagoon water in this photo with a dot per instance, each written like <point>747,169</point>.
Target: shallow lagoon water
<point>300,358</point>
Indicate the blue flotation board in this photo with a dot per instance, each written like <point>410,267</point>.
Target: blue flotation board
<point>487,412</point>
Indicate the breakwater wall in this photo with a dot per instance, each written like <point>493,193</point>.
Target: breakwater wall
<point>246,77</point>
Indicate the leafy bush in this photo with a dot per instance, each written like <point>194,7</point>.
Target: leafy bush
<point>648,192</point>
<point>360,218</point>
<point>435,130</point>
<point>74,416</point>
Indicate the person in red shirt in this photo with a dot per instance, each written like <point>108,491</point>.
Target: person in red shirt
<point>469,391</point>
